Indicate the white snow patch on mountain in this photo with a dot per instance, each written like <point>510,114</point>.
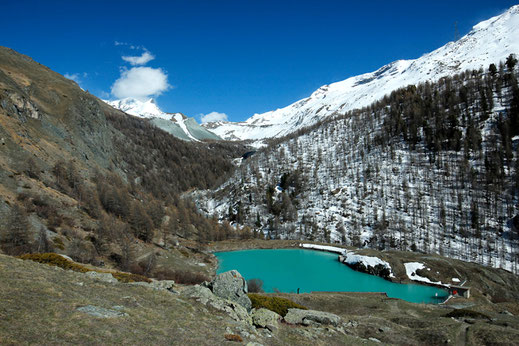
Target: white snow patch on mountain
<point>412,267</point>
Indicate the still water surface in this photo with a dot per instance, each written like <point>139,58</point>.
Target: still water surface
<point>289,269</point>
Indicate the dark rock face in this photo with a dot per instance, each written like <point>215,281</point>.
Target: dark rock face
<point>231,285</point>
<point>515,223</point>
<point>378,270</point>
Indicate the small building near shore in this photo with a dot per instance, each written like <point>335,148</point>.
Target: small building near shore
<point>459,291</point>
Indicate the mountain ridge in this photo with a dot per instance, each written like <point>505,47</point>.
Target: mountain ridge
<point>176,124</point>
<point>488,42</point>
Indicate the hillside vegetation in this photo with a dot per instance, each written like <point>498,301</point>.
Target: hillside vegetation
<point>81,178</point>
<point>432,168</point>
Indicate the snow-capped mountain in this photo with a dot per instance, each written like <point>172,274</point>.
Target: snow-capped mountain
<point>488,42</point>
<point>143,109</point>
<point>176,124</point>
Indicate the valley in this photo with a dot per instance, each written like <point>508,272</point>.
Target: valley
<point>112,211</point>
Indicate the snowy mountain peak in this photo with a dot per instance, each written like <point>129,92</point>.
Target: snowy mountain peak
<point>176,124</point>
<point>143,109</point>
<point>490,41</point>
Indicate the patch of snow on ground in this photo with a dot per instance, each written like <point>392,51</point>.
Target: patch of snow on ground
<point>350,257</point>
<point>412,267</point>
<point>456,280</point>
<point>324,248</point>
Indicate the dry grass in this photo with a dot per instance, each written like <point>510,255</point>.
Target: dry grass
<point>39,302</point>
<point>39,307</point>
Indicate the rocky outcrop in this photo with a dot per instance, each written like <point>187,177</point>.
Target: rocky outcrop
<point>264,318</point>
<point>311,317</point>
<point>378,270</point>
<point>206,297</point>
<point>104,277</point>
<point>23,107</point>
<point>168,285</point>
<point>232,286</point>
<point>100,312</point>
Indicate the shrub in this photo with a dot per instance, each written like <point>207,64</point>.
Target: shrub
<point>459,313</point>
<point>58,242</point>
<point>56,260</point>
<point>16,240</point>
<point>129,277</point>
<point>255,285</point>
<point>183,277</point>
<point>233,337</point>
<point>276,304</point>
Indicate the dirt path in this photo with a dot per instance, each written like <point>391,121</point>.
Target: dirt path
<point>462,338</point>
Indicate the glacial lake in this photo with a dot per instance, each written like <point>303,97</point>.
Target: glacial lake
<point>287,270</point>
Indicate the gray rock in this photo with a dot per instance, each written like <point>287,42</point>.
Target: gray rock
<point>506,312</point>
<point>163,284</point>
<point>203,294</point>
<point>158,285</point>
<point>309,317</point>
<point>130,301</point>
<point>104,277</point>
<point>206,297</point>
<point>374,340</point>
<point>100,312</point>
<point>231,285</point>
<point>352,324</point>
<point>265,318</point>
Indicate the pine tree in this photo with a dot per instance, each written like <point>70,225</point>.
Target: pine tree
<point>16,239</point>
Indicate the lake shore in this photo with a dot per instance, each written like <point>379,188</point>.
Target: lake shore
<point>486,283</point>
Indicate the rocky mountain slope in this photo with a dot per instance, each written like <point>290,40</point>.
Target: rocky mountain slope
<point>488,42</point>
<point>176,124</point>
<point>82,178</point>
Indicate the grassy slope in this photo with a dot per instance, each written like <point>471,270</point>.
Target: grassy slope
<point>39,307</point>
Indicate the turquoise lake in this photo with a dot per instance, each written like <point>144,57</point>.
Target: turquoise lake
<point>287,270</point>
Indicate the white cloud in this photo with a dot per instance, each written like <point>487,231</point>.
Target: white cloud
<point>140,82</point>
<point>212,117</point>
<point>76,77</point>
<point>139,60</point>
<point>72,76</point>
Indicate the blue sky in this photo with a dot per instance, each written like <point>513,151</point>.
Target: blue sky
<point>232,57</point>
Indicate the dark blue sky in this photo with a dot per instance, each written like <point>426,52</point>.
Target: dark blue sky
<point>234,57</point>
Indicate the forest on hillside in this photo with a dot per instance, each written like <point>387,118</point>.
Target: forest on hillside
<point>138,200</point>
<point>430,167</point>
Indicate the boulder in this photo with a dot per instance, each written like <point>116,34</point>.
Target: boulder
<point>232,286</point>
<point>100,312</point>
<point>264,318</point>
<point>309,317</point>
<point>201,293</point>
<point>204,295</point>
<point>163,284</point>
<point>105,277</point>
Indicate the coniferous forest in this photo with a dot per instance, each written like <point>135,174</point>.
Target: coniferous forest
<point>429,168</point>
